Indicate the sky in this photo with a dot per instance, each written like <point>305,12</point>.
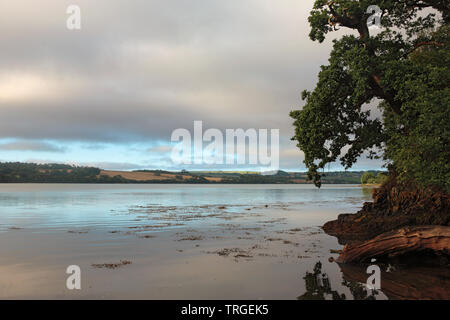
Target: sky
<point>111,94</point>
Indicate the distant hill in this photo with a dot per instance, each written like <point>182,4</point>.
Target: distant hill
<point>15,172</point>
<point>282,173</point>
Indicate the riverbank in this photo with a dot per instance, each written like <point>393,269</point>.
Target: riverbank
<point>413,224</point>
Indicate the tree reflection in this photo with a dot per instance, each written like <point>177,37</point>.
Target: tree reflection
<point>318,287</point>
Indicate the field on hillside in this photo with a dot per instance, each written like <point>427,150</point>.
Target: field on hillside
<point>152,176</point>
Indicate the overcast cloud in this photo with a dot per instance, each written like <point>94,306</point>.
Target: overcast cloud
<point>140,69</point>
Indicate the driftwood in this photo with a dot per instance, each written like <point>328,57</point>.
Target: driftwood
<point>409,240</point>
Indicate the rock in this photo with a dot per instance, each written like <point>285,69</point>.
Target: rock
<point>403,221</point>
<point>346,228</point>
<point>392,208</point>
<point>430,240</point>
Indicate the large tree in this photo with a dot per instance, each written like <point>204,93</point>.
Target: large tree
<point>404,67</point>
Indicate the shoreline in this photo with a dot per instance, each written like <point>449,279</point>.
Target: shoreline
<point>398,225</point>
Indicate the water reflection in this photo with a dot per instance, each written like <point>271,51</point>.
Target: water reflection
<point>43,228</point>
<point>50,206</point>
<point>413,283</point>
<point>318,287</point>
<point>367,192</point>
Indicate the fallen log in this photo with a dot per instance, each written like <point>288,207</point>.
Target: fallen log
<point>401,242</point>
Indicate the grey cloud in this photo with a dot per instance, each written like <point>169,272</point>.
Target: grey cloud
<point>30,146</point>
<point>140,69</point>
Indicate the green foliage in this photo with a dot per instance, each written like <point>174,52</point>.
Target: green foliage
<point>52,173</point>
<point>405,68</point>
<point>382,178</point>
<point>419,147</point>
<point>369,177</point>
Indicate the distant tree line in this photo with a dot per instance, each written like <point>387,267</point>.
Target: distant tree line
<point>15,172</point>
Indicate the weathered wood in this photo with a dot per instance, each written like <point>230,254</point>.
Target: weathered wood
<point>396,243</point>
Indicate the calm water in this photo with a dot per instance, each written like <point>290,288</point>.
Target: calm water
<point>56,207</point>
<point>183,242</point>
